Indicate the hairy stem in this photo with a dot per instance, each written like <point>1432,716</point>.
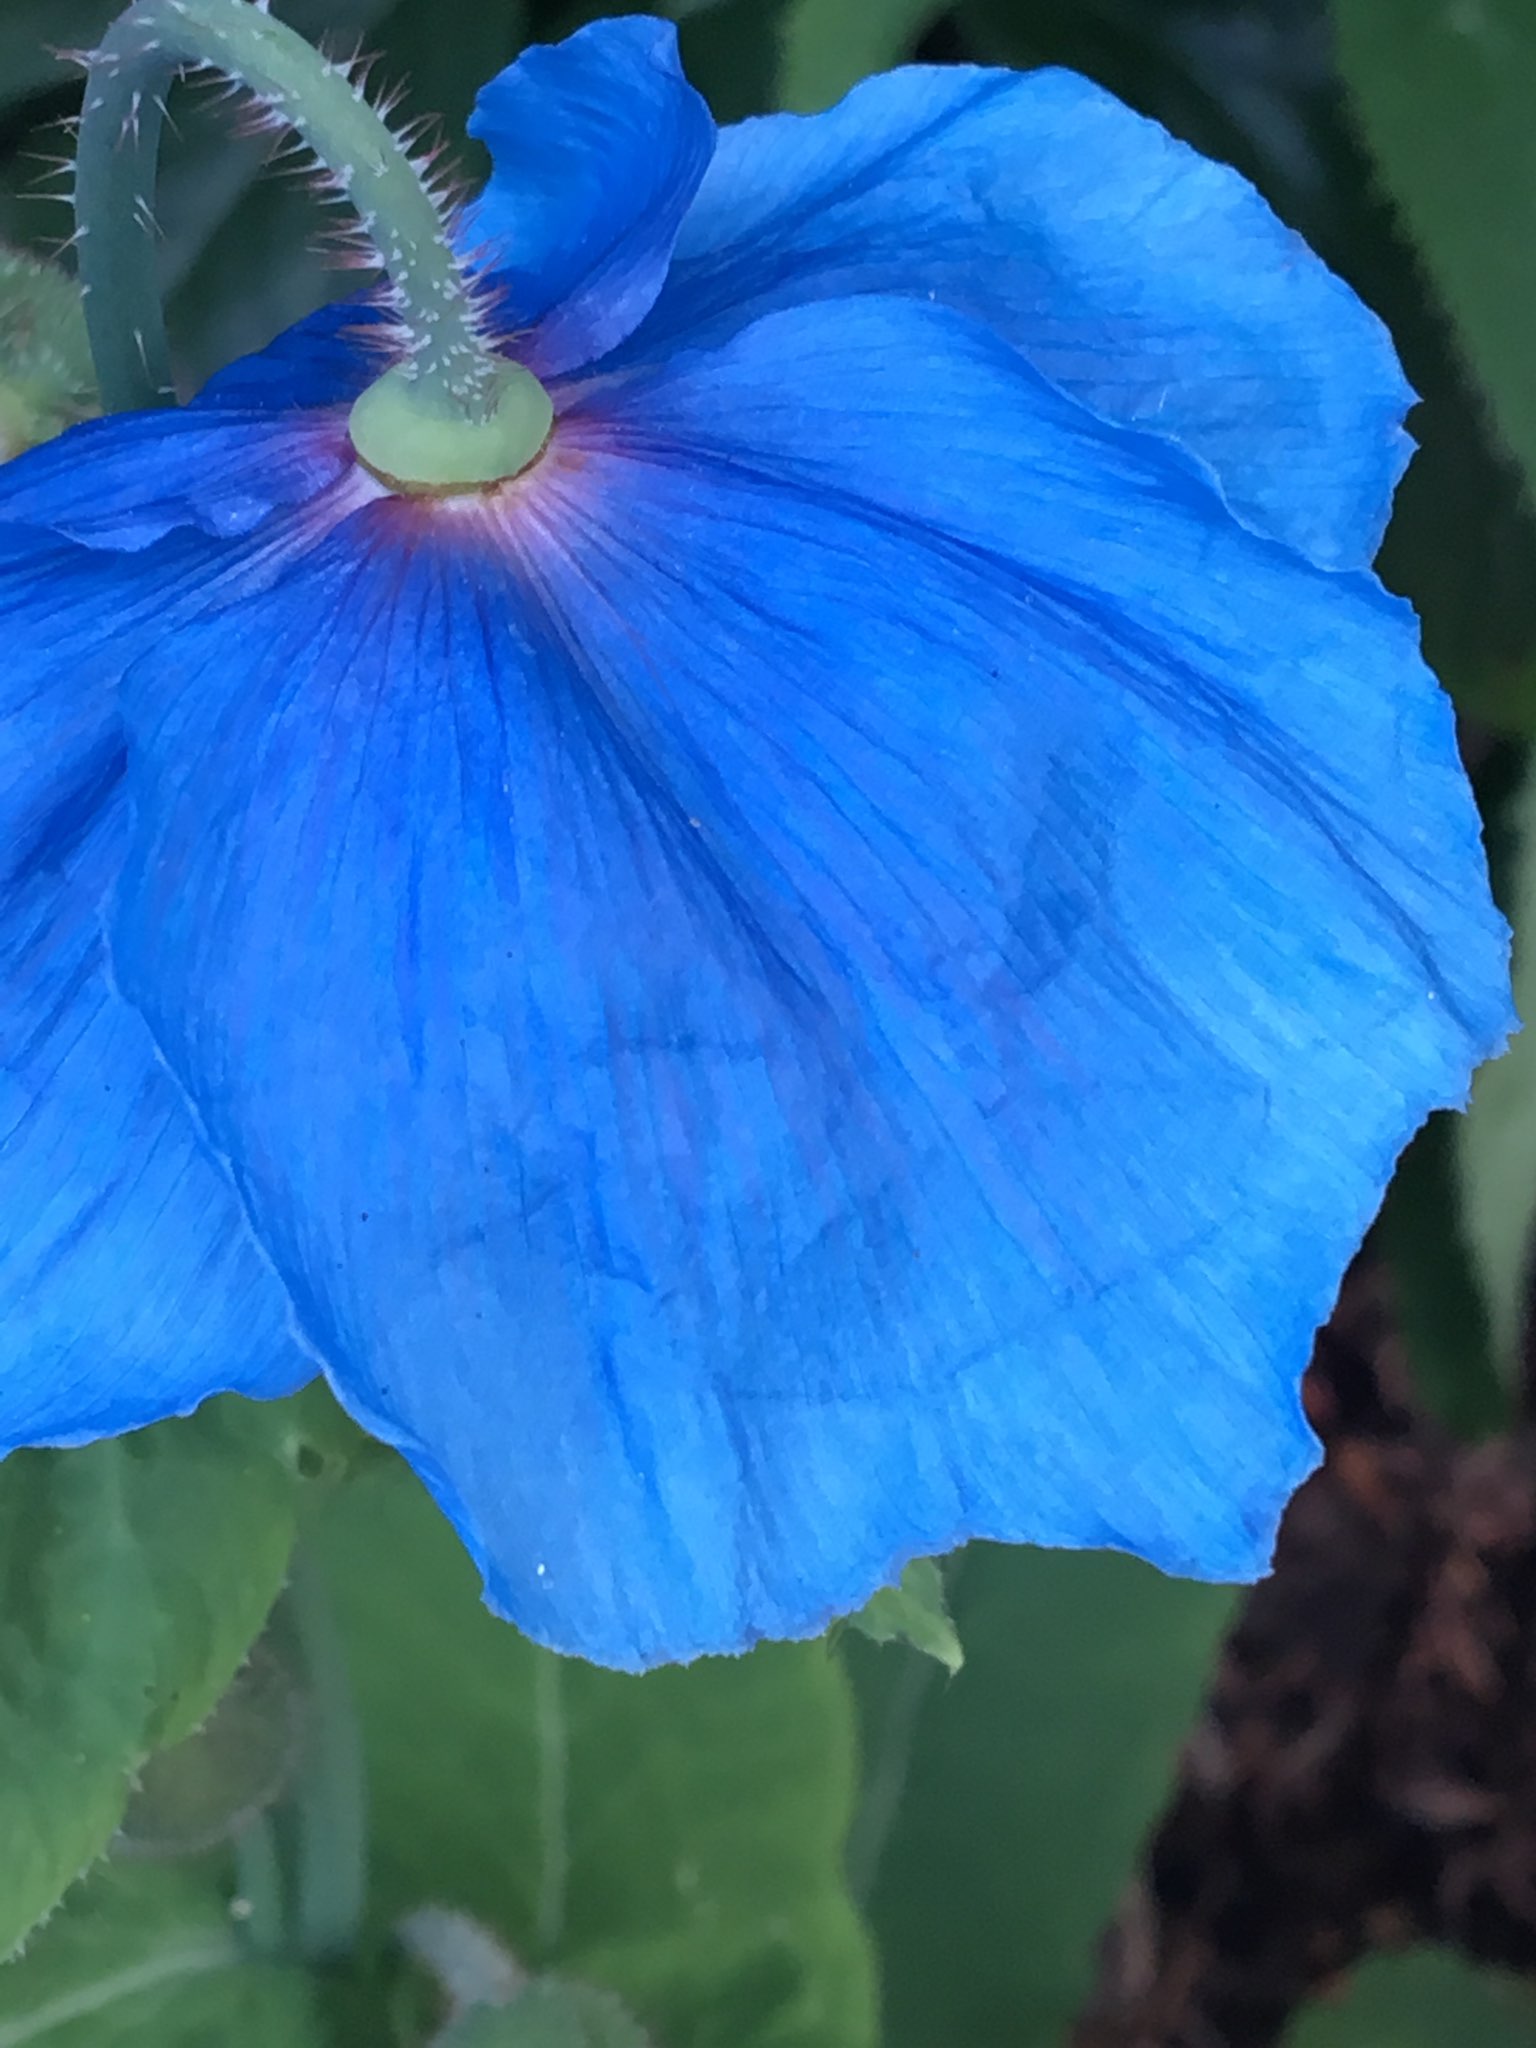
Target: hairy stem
<point>451,364</point>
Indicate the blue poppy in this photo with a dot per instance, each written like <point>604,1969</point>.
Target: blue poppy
<point>837,967</point>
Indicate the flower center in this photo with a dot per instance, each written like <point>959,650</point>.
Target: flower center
<point>415,444</point>
<point>453,414</point>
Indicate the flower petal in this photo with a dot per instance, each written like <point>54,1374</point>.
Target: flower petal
<point>1150,283</point>
<point>327,359</point>
<point>599,144</point>
<point>130,1288</point>
<point>123,482</point>
<point>841,968</point>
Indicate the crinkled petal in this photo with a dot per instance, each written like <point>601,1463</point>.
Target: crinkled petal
<point>1152,284</point>
<point>267,434</point>
<point>130,1288</point>
<point>123,482</point>
<point>841,968</point>
<point>598,145</point>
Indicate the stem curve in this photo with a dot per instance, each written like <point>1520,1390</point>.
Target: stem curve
<point>452,365</point>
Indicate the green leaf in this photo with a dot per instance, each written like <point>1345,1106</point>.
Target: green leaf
<point>1496,1139</point>
<point>1004,1809</point>
<point>214,1512</point>
<point>914,1611</point>
<point>676,1839</point>
<point>136,1575</point>
<point>209,1787</point>
<point>77,1670</point>
<point>1499,694</point>
<point>149,1958</point>
<point>1444,96</point>
<point>1439,1301</point>
<point>826,46</point>
<point>1428,2000</point>
<point>548,2014</point>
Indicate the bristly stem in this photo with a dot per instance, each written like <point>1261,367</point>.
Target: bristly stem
<point>451,363</point>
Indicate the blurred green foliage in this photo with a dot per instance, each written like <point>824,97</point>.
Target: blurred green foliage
<point>1003,1809</point>
<point>679,1840</point>
<point>147,1958</point>
<point>1442,95</point>
<point>116,1642</point>
<point>675,1838</point>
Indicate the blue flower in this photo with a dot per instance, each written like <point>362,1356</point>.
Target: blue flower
<point>837,967</point>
